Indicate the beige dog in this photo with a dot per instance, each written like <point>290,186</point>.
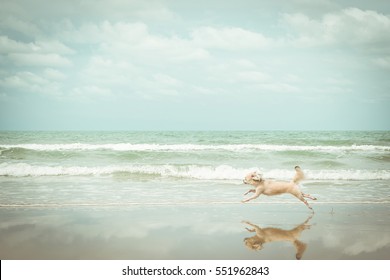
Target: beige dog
<point>270,187</point>
<point>267,235</point>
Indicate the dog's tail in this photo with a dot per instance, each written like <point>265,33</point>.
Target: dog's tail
<point>299,176</point>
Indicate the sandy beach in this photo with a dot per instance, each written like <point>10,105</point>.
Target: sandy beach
<point>199,231</point>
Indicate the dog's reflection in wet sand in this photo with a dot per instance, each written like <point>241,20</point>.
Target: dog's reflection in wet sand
<point>266,235</point>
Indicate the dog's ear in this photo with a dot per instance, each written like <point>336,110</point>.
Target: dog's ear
<point>257,176</point>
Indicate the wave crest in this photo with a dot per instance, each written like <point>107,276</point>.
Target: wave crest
<point>192,147</point>
<point>221,172</point>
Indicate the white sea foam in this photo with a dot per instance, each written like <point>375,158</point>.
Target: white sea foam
<point>192,147</point>
<point>221,172</point>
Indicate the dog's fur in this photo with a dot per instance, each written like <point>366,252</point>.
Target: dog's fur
<point>266,235</point>
<point>270,187</point>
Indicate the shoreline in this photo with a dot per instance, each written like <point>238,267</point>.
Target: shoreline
<point>183,203</point>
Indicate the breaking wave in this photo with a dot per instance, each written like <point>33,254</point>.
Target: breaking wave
<point>198,172</point>
<point>192,147</point>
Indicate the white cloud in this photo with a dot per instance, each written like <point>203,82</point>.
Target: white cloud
<point>29,82</point>
<point>127,58</point>
<point>38,59</point>
<point>279,87</point>
<point>90,92</point>
<point>8,45</point>
<point>252,79</point>
<point>51,46</point>
<point>127,40</point>
<point>16,24</point>
<point>167,80</point>
<point>105,70</point>
<point>123,78</point>
<point>120,9</point>
<point>155,13</point>
<point>23,80</point>
<point>383,62</point>
<point>253,76</point>
<point>53,74</point>
<point>349,26</point>
<point>245,64</point>
<point>124,56</point>
<point>229,38</point>
<point>50,53</point>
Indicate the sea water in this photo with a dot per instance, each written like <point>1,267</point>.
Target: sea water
<point>55,169</point>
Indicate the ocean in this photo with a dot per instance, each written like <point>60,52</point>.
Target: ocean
<point>177,195</point>
<point>101,169</point>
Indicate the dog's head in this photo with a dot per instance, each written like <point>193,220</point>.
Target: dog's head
<point>253,178</point>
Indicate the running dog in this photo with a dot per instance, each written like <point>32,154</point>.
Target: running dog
<point>270,187</point>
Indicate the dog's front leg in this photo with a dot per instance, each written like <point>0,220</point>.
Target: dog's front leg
<point>256,195</point>
<point>249,191</point>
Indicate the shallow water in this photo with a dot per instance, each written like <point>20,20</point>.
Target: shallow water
<point>339,231</point>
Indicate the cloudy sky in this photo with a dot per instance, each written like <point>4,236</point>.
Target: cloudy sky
<point>194,65</point>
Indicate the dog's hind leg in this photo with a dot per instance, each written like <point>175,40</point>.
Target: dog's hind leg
<point>301,198</point>
<point>309,196</point>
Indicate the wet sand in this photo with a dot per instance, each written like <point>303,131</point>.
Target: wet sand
<point>253,231</point>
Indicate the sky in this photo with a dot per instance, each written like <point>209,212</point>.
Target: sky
<point>194,65</point>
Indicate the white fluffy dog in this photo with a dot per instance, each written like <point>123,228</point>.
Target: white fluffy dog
<point>270,187</point>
